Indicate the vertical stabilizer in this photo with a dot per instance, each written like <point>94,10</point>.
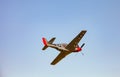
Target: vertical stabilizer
<point>45,42</point>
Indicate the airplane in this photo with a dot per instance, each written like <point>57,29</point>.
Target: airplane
<point>64,48</point>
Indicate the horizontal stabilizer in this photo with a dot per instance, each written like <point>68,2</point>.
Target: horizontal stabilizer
<point>44,47</point>
<point>52,40</point>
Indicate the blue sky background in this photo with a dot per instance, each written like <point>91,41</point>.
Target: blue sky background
<point>24,22</point>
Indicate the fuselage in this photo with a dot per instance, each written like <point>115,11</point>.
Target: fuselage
<point>62,47</point>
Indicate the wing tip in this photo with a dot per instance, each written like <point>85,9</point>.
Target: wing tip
<point>84,30</point>
<point>52,64</point>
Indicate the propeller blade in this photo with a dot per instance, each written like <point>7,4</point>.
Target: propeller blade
<point>82,53</point>
<point>82,45</point>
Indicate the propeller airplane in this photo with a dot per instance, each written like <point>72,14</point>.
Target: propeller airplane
<point>64,48</point>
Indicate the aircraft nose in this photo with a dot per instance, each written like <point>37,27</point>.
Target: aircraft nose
<point>79,49</point>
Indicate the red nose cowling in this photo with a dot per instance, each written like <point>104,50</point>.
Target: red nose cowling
<point>79,49</point>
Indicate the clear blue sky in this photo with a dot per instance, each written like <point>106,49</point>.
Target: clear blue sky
<point>24,22</point>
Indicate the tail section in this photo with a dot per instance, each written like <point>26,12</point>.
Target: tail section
<point>52,40</point>
<point>46,43</point>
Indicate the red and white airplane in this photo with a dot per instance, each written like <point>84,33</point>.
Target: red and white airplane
<point>64,48</point>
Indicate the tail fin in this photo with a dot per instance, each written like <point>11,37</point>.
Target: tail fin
<point>45,42</point>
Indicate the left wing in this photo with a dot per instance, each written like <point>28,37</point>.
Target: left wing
<point>72,45</point>
<point>60,57</point>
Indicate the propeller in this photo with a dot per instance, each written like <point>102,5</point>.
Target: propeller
<point>82,53</point>
<point>81,47</point>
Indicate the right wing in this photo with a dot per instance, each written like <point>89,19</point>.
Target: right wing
<point>72,45</point>
<point>60,57</point>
